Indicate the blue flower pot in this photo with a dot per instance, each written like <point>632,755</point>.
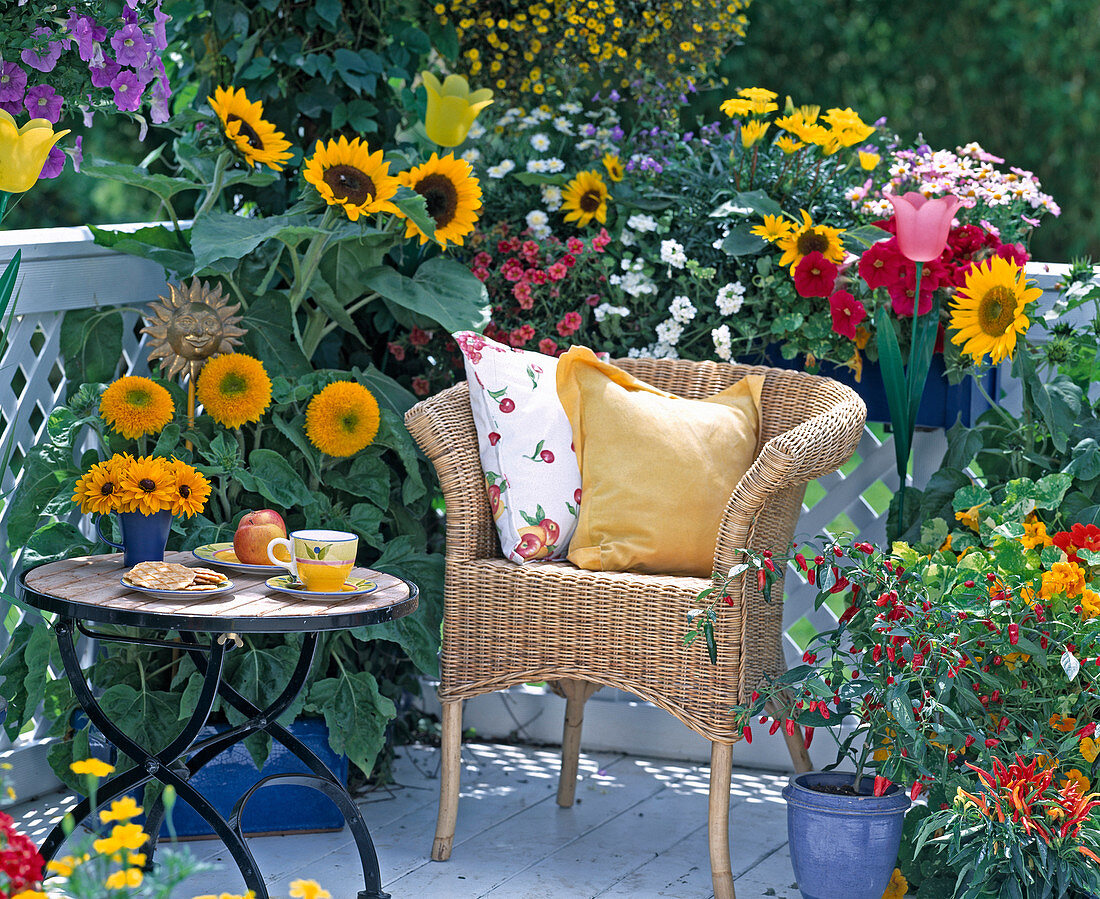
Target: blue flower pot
<point>143,536</point>
<point>843,847</point>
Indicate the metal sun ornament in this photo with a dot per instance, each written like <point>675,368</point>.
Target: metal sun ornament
<point>192,324</point>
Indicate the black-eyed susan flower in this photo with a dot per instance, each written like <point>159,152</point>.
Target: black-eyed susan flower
<point>234,388</point>
<point>245,125</point>
<point>988,310</point>
<point>452,194</point>
<point>347,174</point>
<point>613,166</point>
<point>190,491</point>
<point>146,486</point>
<point>775,228</point>
<point>585,198</point>
<point>342,418</point>
<point>136,406</point>
<point>98,490</point>
<point>809,238</point>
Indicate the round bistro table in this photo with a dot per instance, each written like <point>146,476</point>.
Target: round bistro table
<point>88,590</point>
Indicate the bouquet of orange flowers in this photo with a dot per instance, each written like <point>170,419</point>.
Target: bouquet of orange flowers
<point>146,484</point>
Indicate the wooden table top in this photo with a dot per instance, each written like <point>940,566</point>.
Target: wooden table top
<point>89,588</point>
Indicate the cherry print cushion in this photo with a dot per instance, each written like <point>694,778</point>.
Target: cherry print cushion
<point>526,447</point>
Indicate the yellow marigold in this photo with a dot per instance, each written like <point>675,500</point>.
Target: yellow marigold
<point>136,406</point>
<point>234,389</point>
<point>1062,723</point>
<point>1035,534</point>
<point>1076,777</point>
<point>1090,604</point>
<point>897,887</point>
<point>1064,578</point>
<point>970,517</point>
<point>128,877</point>
<point>308,889</point>
<point>146,486</point>
<point>342,418</point>
<point>121,810</point>
<point>94,767</point>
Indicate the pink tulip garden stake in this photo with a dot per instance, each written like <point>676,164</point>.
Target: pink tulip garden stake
<point>922,228</point>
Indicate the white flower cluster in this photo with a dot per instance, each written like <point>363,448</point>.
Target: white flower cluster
<point>681,309</point>
<point>602,311</point>
<point>723,343</point>
<point>640,222</point>
<point>635,282</point>
<point>540,142</point>
<point>551,165</point>
<point>563,125</point>
<point>501,169</point>
<point>539,223</point>
<point>472,155</point>
<point>673,254</point>
<point>477,130</point>
<point>669,331</point>
<point>551,196</point>
<point>730,298</point>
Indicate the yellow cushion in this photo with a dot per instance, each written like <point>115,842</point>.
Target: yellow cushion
<point>656,469</point>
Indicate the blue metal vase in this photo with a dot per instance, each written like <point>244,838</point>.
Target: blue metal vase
<point>143,536</point>
<point>843,847</point>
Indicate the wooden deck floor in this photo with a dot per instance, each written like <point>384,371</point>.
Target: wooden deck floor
<point>638,829</point>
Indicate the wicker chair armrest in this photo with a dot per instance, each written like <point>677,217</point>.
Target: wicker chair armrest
<point>443,427</point>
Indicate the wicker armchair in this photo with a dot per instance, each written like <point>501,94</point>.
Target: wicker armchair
<point>506,624</point>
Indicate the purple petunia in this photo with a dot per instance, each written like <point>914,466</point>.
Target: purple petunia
<point>43,102</point>
<point>158,108</point>
<point>13,83</point>
<point>104,74</point>
<point>43,61</point>
<point>131,46</point>
<point>13,107</point>
<point>78,153</point>
<point>127,87</point>
<point>617,134</point>
<point>55,163</point>
<point>160,33</point>
<point>87,34</point>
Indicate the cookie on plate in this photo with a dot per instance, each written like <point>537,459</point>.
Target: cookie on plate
<point>161,575</point>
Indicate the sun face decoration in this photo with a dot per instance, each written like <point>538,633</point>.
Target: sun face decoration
<point>191,324</point>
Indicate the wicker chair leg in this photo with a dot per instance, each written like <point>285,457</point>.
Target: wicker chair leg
<point>796,746</point>
<point>451,747</point>
<point>718,820</point>
<point>576,694</point>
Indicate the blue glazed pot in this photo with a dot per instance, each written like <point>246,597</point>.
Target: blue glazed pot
<point>843,847</point>
<point>143,536</point>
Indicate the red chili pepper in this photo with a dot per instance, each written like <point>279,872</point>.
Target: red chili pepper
<point>991,742</point>
<point>761,578</point>
<point>811,576</point>
<point>774,727</point>
<point>809,737</point>
<point>914,791</point>
<point>1014,634</point>
<point>970,740</point>
<point>790,726</point>
<point>801,560</point>
<point>755,696</point>
<point>746,732</point>
<point>842,582</point>
<point>881,785</point>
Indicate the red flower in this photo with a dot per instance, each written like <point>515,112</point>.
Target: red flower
<point>901,293</point>
<point>575,245</point>
<point>421,386</point>
<point>601,240</point>
<point>523,295</point>
<point>547,346</point>
<point>570,323</point>
<point>521,335</point>
<point>814,276</point>
<point>558,271</point>
<point>847,313</point>
<point>881,263</point>
<point>417,337</point>
<point>397,351</point>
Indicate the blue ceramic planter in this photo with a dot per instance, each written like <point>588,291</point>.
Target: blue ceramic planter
<point>843,847</point>
<point>143,536</point>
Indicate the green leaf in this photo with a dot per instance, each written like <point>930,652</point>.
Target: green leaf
<point>222,235</point>
<point>162,245</point>
<point>91,342</point>
<point>7,281</point>
<point>275,479</point>
<point>36,656</point>
<point>270,337</point>
<point>367,476</point>
<point>963,444</point>
<point>1085,464</point>
<point>259,673</point>
<point>864,236</point>
<point>893,379</point>
<point>540,178</point>
<point>386,390</point>
<point>149,717</point>
<point>45,469</point>
<point>970,496</point>
<point>163,186</point>
<point>415,207</point>
<point>325,298</point>
<point>442,289</point>
<point>366,520</point>
<point>58,540</point>
<point>759,202</point>
<point>740,242</point>
<point>294,431</point>
<point>1087,516</point>
<point>392,434</point>
<point>1058,400</point>
<point>1050,489</point>
<point>356,715</point>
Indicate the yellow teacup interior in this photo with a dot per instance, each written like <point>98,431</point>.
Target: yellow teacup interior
<point>323,577</point>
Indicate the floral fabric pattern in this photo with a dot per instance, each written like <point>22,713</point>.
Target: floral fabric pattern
<point>526,444</point>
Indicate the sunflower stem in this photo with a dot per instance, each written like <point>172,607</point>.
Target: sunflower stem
<point>303,275</point>
<point>216,183</point>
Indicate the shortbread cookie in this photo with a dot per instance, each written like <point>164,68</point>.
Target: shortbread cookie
<point>161,575</point>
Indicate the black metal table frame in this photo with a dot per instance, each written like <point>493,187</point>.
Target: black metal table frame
<point>169,768</point>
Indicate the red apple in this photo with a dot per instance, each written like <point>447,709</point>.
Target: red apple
<point>553,532</point>
<point>495,501</point>
<point>255,531</point>
<point>532,543</point>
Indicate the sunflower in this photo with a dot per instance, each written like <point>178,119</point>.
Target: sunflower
<point>147,486</point>
<point>453,197</point>
<point>342,419</point>
<point>348,174</point>
<point>613,166</point>
<point>775,228</point>
<point>244,124</point>
<point>98,490</point>
<point>988,311</point>
<point>234,389</point>
<point>136,406</point>
<point>585,198</point>
<point>808,238</point>
<point>190,489</point>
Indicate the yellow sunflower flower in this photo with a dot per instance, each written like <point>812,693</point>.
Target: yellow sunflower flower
<point>136,406</point>
<point>807,238</point>
<point>147,486</point>
<point>775,227</point>
<point>751,132</point>
<point>245,126</point>
<point>234,389</point>
<point>346,173</point>
<point>342,419</point>
<point>97,491</point>
<point>190,491</point>
<point>988,310</point>
<point>613,166</point>
<point>585,198</point>
<point>453,196</point>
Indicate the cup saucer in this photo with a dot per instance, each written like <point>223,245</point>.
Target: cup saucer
<point>354,586</point>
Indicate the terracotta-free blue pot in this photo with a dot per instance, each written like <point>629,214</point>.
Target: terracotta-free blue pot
<point>143,536</point>
<point>843,847</point>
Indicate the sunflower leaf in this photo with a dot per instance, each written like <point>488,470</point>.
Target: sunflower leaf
<point>442,289</point>
<point>415,207</point>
